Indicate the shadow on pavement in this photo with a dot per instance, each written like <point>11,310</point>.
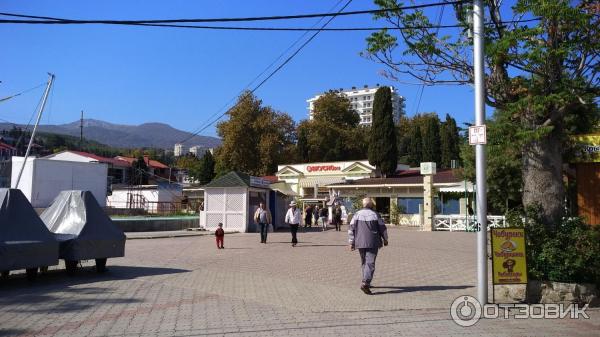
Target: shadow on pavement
<point>84,275</point>
<point>394,290</point>
<point>55,291</point>
<point>303,245</point>
<point>11,332</point>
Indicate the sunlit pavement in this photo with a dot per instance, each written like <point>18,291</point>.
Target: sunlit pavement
<point>186,287</point>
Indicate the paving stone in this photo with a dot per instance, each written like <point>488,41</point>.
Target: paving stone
<point>186,287</point>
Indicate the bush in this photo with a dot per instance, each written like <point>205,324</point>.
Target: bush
<point>570,252</point>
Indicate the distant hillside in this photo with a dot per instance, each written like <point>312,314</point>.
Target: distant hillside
<point>157,135</point>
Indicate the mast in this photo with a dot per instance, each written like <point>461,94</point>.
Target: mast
<point>81,131</point>
<point>37,122</point>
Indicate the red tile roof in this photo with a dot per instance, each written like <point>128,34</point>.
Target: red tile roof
<point>7,147</point>
<point>271,179</point>
<point>408,177</point>
<point>149,162</point>
<point>112,161</point>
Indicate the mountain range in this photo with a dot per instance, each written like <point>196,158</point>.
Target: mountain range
<point>156,135</point>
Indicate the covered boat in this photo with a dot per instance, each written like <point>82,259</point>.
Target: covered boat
<point>83,229</point>
<point>25,243</point>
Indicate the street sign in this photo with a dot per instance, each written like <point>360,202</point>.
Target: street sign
<point>509,262</point>
<point>477,135</point>
<point>428,168</point>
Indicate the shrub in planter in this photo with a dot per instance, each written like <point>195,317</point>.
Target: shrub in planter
<point>568,252</point>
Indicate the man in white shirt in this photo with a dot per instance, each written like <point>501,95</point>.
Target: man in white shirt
<point>292,217</point>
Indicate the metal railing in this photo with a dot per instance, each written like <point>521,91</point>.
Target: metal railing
<point>454,223</point>
<point>152,208</point>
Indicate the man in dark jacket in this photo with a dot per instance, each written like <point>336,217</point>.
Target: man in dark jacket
<point>367,233</point>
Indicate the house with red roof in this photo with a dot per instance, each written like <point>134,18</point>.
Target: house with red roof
<point>7,151</point>
<point>118,170</point>
<point>157,171</point>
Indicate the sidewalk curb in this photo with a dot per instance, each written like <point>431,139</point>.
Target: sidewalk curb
<point>164,236</point>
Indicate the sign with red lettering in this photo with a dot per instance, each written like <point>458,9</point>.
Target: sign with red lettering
<point>322,168</point>
<point>509,262</point>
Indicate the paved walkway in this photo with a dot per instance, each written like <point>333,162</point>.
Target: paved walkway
<point>186,287</point>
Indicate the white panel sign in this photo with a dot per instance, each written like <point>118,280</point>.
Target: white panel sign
<point>477,135</point>
<point>428,168</point>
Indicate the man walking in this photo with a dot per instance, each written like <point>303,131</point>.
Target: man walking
<point>337,216</point>
<point>262,217</point>
<point>367,233</point>
<point>292,217</point>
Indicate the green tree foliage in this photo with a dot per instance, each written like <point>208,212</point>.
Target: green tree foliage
<point>139,174</point>
<point>415,147</point>
<point>207,168</point>
<point>431,140</point>
<point>255,138</point>
<point>503,171</point>
<point>191,164</point>
<point>449,142</point>
<point>383,151</point>
<point>539,74</point>
<point>333,134</point>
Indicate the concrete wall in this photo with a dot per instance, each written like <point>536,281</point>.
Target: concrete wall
<point>144,224</point>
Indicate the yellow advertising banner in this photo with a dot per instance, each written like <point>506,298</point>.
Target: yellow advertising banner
<point>509,263</point>
<point>588,148</point>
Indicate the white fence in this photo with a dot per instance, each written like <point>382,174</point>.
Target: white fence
<point>458,222</point>
<point>451,223</point>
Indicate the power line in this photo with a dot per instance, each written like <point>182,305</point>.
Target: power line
<point>21,93</point>
<point>54,20</point>
<point>264,70</point>
<point>439,21</point>
<point>286,61</point>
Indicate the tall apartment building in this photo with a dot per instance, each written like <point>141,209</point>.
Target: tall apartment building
<point>199,151</point>
<point>361,100</point>
<point>179,150</point>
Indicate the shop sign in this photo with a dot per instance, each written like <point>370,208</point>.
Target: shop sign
<point>322,168</point>
<point>509,263</point>
<point>259,182</point>
<point>588,148</point>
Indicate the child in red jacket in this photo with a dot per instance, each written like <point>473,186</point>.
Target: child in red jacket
<point>220,235</point>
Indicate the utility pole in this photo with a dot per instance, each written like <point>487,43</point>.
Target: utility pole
<point>81,131</point>
<point>480,164</point>
<point>37,122</point>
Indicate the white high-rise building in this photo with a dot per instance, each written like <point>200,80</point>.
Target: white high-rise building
<point>361,100</point>
<point>179,150</point>
<point>199,151</point>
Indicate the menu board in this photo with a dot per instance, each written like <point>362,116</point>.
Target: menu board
<point>509,263</point>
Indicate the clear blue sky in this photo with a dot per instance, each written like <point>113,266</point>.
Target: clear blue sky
<point>133,75</point>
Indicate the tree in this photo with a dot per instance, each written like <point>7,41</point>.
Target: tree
<point>431,139</point>
<point>449,142</point>
<point>302,145</point>
<point>333,133</point>
<point>140,172</point>
<point>255,138</point>
<point>191,164</point>
<point>503,171</point>
<point>538,74</point>
<point>207,168</point>
<point>415,149</point>
<point>383,150</point>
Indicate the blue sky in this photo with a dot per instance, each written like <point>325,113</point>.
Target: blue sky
<point>133,75</point>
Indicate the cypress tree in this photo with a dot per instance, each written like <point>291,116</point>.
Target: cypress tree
<point>207,168</point>
<point>449,142</point>
<point>383,148</point>
<point>431,140</point>
<point>415,148</point>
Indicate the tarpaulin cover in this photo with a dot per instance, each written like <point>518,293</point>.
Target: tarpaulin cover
<point>83,229</point>
<point>24,240</point>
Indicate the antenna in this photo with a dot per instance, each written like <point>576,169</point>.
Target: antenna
<point>81,131</point>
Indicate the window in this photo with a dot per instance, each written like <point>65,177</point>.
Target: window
<point>369,97</point>
<point>450,206</point>
<point>409,205</point>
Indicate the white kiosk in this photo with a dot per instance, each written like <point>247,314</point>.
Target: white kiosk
<point>232,200</point>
